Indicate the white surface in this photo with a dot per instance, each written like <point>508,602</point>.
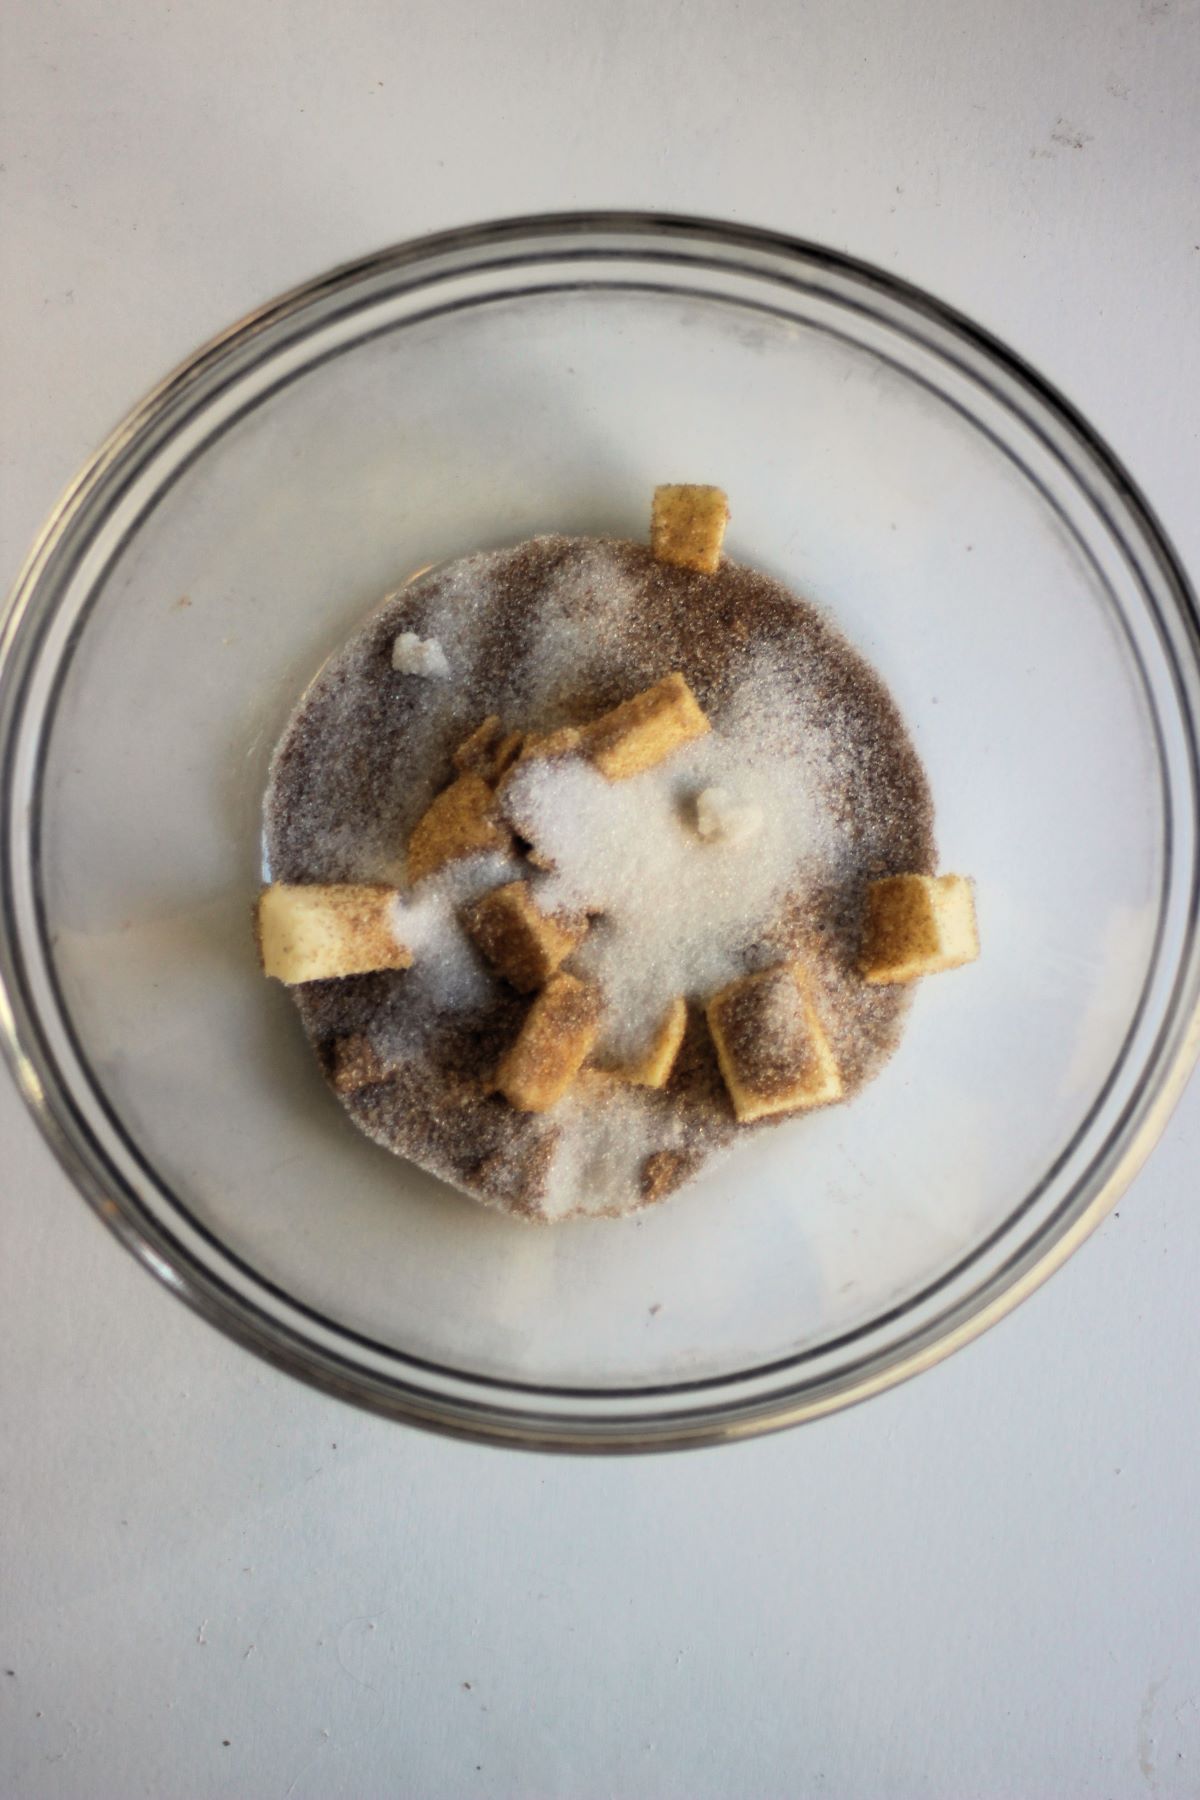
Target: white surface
<point>986,1583</point>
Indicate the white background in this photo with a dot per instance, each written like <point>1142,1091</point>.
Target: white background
<point>213,1582</point>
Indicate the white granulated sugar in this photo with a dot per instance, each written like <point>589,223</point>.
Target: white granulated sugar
<point>446,964</point>
<point>677,913</point>
<point>720,819</point>
<point>413,655</point>
<point>604,1138</point>
<point>584,606</point>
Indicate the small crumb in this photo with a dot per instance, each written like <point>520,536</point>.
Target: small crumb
<point>412,655</point>
<point>183,600</point>
<point>224,1743</point>
<point>467,1686</point>
<point>656,1308</point>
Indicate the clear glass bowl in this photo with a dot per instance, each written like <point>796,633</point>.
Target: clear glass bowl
<point>974,539</point>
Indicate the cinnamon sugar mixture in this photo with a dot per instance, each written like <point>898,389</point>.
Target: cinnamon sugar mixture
<point>748,846</point>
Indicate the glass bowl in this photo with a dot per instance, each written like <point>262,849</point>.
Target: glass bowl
<point>974,539</point>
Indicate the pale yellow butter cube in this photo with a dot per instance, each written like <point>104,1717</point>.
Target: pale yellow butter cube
<point>522,943</point>
<point>317,932</point>
<point>640,732</point>
<point>771,1046</point>
<point>461,822</point>
<point>917,925</point>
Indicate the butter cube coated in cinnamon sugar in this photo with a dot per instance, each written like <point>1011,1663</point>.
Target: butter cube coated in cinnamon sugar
<point>319,931</point>
<point>917,925</point>
<point>687,526</point>
<point>565,740</point>
<point>489,750</point>
<point>555,1039</point>
<point>461,822</point>
<point>522,943</point>
<point>643,731</point>
<point>771,1046</point>
<point>652,1067</point>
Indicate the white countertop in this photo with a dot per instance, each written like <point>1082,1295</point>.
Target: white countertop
<point>214,1582</point>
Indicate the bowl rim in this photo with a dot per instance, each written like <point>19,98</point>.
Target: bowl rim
<point>202,1289</point>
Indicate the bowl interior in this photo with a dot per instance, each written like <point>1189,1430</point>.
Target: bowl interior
<point>863,471</point>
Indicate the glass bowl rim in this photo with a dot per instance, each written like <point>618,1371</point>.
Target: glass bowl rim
<point>66,1129</point>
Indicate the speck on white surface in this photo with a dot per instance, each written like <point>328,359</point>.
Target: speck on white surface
<point>983,1586</point>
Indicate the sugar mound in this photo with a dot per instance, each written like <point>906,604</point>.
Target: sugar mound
<point>413,655</point>
<point>678,913</point>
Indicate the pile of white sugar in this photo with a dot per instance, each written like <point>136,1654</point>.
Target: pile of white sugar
<point>679,905</point>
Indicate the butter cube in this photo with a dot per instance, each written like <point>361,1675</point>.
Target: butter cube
<point>317,932</point>
<point>640,732</point>
<point>474,754</point>
<point>917,925</point>
<point>559,1031</point>
<point>523,944</point>
<point>488,751</point>
<point>687,526</point>
<point>771,1046</point>
<point>461,822</point>
<point>562,742</point>
<point>653,1067</point>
